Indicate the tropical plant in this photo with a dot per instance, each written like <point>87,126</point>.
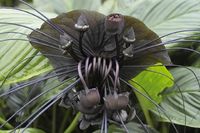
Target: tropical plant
<point>163,96</point>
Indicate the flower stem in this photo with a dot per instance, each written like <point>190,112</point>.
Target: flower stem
<point>64,120</point>
<point>54,119</point>
<point>7,125</point>
<point>73,124</point>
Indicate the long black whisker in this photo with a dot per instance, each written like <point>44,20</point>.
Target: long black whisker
<point>138,118</point>
<point>54,100</point>
<point>17,88</point>
<point>102,125</point>
<point>24,26</point>
<point>179,89</point>
<point>167,65</point>
<point>44,43</point>
<point>164,43</point>
<point>42,33</point>
<point>29,59</point>
<point>35,98</point>
<point>14,39</point>
<point>38,42</point>
<point>173,48</point>
<point>186,49</point>
<point>142,89</point>
<point>47,105</point>
<point>47,19</point>
<point>122,122</point>
<point>12,32</point>
<point>105,122</point>
<point>153,102</point>
<point>186,30</point>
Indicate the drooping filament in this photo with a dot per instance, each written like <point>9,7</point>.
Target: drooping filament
<point>99,90</point>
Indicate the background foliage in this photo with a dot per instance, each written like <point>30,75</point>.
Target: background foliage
<point>180,102</point>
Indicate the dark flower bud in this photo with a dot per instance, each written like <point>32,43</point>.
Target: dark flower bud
<point>114,23</point>
<point>111,102</point>
<point>81,24</point>
<point>123,100</point>
<point>116,102</point>
<point>91,98</point>
<point>129,36</point>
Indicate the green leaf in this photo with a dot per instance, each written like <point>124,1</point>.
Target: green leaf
<point>125,7</point>
<point>28,130</point>
<point>60,6</point>
<point>73,124</point>
<point>166,16</point>
<point>187,93</point>
<point>162,16</point>
<point>151,82</point>
<point>18,60</point>
<point>7,125</point>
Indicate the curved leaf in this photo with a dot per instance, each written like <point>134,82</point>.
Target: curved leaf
<point>162,16</point>
<point>147,83</point>
<point>18,60</point>
<point>60,6</point>
<point>166,16</point>
<point>188,92</point>
<point>28,130</point>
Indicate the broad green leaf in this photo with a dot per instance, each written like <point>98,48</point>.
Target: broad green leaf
<point>60,6</point>
<point>18,59</point>
<point>162,16</point>
<point>183,101</point>
<point>28,130</point>
<point>166,16</point>
<point>125,7</point>
<point>151,83</point>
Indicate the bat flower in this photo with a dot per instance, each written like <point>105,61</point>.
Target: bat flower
<point>94,50</point>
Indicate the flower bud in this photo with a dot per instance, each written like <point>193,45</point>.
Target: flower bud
<point>129,36</point>
<point>81,24</point>
<point>116,102</point>
<point>90,99</point>
<point>114,23</point>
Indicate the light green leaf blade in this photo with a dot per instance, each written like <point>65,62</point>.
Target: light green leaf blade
<point>60,6</point>
<point>7,125</point>
<point>151,83</point>
<point>28,130</point>
<point>162,16</point>
<point>188,94</point>
<point>166,16</point>
<point>18,60</point>
<point>125,7</point>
